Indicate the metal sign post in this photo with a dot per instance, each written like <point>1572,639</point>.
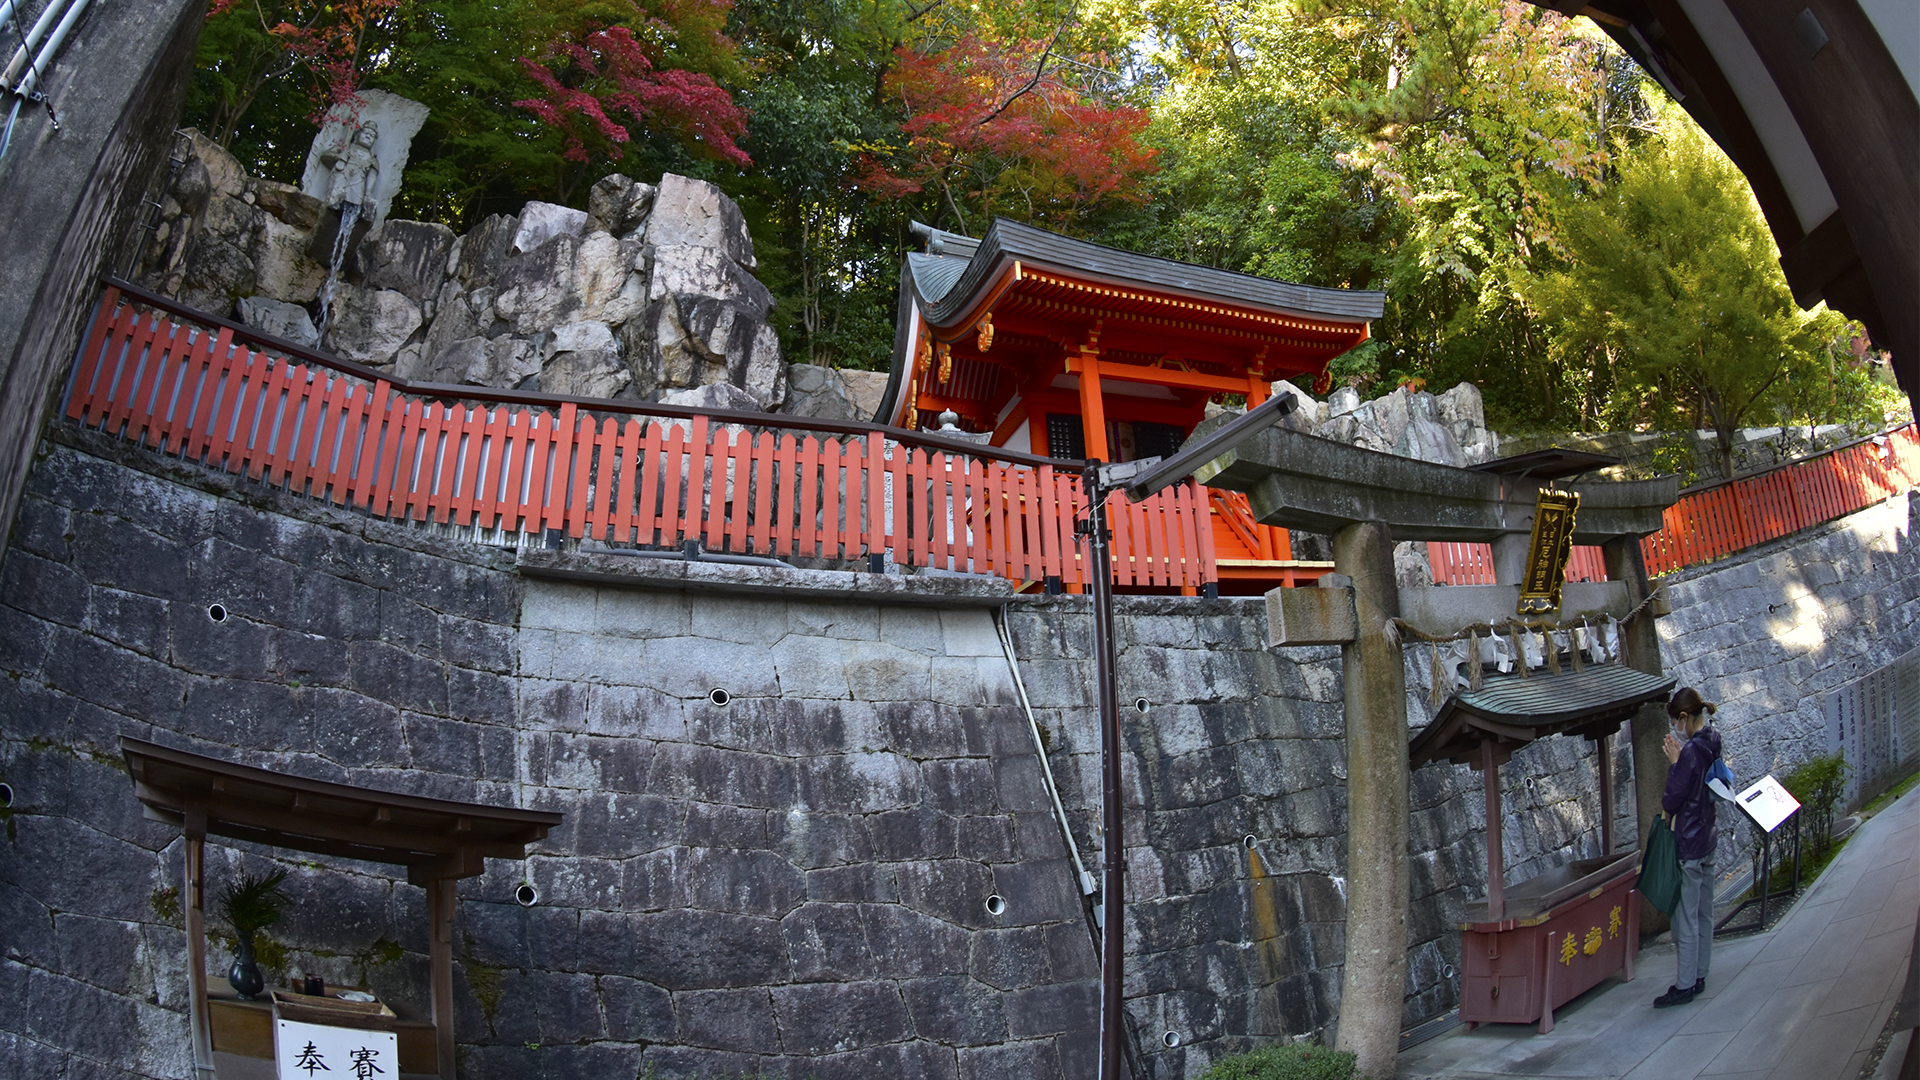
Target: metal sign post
<point>1112,846</point>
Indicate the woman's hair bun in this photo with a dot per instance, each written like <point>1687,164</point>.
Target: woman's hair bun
<point>1687,700</point>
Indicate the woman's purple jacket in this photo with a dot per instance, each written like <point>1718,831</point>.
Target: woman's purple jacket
<point>1687,797</point>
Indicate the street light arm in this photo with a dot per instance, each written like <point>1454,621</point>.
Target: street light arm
<point>1195,454</point>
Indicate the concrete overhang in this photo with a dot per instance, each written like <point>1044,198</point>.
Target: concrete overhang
<point>1301,482</point>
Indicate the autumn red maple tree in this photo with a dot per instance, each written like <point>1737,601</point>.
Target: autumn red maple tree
<point>992,127</point>
<point>331,40</point>
<point>602,87</point>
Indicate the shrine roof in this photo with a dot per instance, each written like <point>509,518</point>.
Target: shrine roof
<point>1510,711</point>
<point>946,298</point>
<point>934,276</point>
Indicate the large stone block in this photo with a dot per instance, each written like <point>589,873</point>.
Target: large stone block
<point>956,1011</point>
<point>636,1011</point>
<point>822,1018</point>
<point>409,257</point>
<point>698,950</point>
<point>288,322</point>
<point>582,359</point>
<point>698,214</point>
<point>727,1019</point>
<point>368,325</point>
<point>283,270</point>
<point>828,943</point>
<point>618,205</point>
<point>818,392</point>
<point>536,288</point>
<point>916,944</point>
<point>611,277</point>
<point>541,222</point>
<point>484,250</point>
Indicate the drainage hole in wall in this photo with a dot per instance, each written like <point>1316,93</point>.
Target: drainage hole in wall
<point>1446,971</point>
<point>6,796</point>
<point>719,697</point>
<point>1171,1038</point>
<point>526,894</point>
<point>1249,841</point>
<point>996,904</point>
<point>1140,703</point>
<point>217,612</point>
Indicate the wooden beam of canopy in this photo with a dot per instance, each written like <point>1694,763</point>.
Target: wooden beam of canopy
<point>1302,482</point>
<point>1167,376</point>
<point>437,840</point>
<point>432,838</point>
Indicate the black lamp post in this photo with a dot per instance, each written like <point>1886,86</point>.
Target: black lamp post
<point>1138,479</point>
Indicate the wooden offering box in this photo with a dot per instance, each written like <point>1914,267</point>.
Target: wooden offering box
<point>242,1031</point>
<point>1565,932</point>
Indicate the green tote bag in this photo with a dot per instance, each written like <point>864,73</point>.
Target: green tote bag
<point>1660,870</point>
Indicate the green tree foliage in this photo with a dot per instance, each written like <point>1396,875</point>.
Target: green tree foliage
<point>513,87</point>
<point>1462,156</point>
<point>1668,290</point>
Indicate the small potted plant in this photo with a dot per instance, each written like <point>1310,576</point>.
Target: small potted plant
<point>250,905</point>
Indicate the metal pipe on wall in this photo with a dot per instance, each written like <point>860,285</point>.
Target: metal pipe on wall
<point>16,66</point>
<point>51,49</point>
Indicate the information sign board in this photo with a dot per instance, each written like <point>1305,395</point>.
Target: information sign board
<point>1767,803</point>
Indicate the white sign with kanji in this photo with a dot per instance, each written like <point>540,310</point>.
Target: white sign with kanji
<point>313,1051</point>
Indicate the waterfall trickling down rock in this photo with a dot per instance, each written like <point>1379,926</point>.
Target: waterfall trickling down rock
<point>349,216</point>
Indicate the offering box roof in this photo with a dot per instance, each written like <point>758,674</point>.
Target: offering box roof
<point>431,837</point>
<point>1510,711</point>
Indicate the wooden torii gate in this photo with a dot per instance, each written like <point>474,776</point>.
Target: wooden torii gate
<point>1366,501</point>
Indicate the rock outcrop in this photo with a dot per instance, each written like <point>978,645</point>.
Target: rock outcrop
<point>1447,429</point>
<point>647,294</point>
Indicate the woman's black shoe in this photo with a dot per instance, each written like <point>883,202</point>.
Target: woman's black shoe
<point>1699,986</point>
<point>1673,996</point>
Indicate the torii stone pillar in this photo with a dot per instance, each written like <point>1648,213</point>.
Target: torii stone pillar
<point>1625,563</point>
<point>1372,994</point>
<point>1366,500</point>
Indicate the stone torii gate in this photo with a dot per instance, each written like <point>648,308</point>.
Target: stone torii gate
<point>1367,501</point>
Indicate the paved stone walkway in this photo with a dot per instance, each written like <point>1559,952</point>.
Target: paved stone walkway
<point>1804,1001</point>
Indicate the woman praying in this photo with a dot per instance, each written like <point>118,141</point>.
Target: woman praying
<point>1692,747</point>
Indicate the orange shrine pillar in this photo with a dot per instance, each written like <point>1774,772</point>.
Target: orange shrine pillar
<point>1093,412</point>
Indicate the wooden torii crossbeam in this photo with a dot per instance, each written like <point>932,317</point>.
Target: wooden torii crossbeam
<point>1367,501</point>
<point>439,841</point>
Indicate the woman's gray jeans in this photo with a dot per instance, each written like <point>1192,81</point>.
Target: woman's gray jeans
<point>1693,921</point>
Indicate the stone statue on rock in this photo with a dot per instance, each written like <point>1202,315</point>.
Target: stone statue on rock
<point>353,171</point>
<point>388,123</point>
<point>354,168</point>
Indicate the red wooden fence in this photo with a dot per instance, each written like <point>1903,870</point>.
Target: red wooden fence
<point>334,432</point>
<point>620,473</point>
<point>1472,564</point>
<point>1716,520</point>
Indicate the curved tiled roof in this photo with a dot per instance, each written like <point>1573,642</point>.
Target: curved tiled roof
<point>945,296</point>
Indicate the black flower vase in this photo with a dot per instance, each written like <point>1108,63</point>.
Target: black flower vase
<point>244,976</point>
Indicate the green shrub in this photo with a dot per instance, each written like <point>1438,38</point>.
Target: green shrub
<point>1300,1061</point>
<point>1818,783</point>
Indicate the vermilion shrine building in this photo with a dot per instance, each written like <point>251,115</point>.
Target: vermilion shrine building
<point>1071,349</point>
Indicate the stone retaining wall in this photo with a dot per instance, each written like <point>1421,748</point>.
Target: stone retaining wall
<point>1770,634</point>
<point>794,883</point>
